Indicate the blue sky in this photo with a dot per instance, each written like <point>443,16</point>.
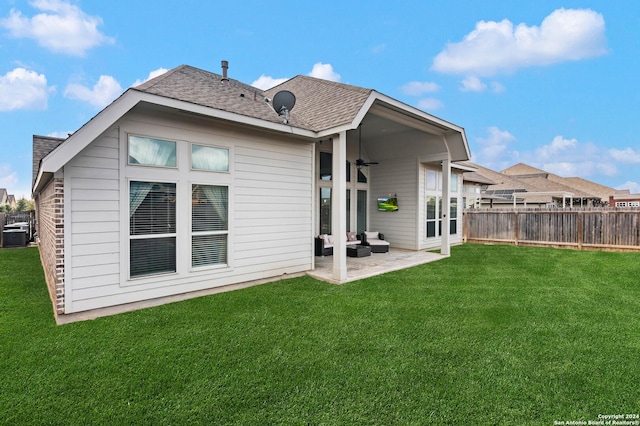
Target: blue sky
<point>554,84</point>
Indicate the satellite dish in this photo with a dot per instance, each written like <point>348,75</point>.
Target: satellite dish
<point>283,102</point>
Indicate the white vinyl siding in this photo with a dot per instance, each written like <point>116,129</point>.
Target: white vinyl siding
<point>92,234</point>
<point>270,210</point>
<point>391,178</point>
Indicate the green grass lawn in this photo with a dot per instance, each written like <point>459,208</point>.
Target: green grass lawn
<point>492,335</point>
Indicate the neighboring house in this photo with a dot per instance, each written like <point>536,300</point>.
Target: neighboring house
<point>7,199</point>
<point>524,186</point>
<point>473,182</point>
<point>192,181</point>
<point>623,198</point>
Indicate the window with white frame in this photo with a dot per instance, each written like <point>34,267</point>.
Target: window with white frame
<point>209,158</point>
<point>145,151</point>
<point>209,225</point>
<point>154,206</point>
<point>152,228</point>
<point>433,203</point>
<point>634,203</point>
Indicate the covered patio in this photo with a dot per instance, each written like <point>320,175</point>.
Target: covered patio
<point>378,263</point>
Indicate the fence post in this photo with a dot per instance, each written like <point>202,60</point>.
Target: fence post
<point>464,226</point>
<point>515,227</point>
<point>580,217</point>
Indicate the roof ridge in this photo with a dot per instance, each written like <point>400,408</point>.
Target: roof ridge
<point>327,82</point>
<point>155,80</point>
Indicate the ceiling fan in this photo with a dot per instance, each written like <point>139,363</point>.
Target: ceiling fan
<point>360,162</point>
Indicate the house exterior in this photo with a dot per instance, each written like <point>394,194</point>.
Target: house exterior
<point>623,198</point>
<point>193,181</point>
<point>7,199</point>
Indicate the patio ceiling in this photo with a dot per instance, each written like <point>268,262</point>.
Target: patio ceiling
<point>384,137</point>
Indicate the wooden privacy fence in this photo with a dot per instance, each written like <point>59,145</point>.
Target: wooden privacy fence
<point>595,229</point>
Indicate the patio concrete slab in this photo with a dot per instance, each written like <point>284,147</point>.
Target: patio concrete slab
<point>369,266</point>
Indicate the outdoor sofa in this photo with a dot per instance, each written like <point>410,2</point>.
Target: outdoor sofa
<point>376,241</point>
<point>324,243</point>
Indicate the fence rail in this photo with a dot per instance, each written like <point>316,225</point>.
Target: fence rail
<point>602,229</point>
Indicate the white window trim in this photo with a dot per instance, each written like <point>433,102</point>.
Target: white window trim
<point>128,134</point>
<point>227,232</point>
<point>183,177</point>
<point>229,154</point>
<point>133,280</point>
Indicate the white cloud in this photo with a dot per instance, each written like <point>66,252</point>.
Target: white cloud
<point>152,74</point>
<point>430,104</point>
<point>319,70</point>
<point>24,89</point>
<point>63,135</point>
<point>417,88</point>
<point>324,71</point>
<point>265,82</point>
<point>498,47</point>
<point>627,155</point>
<point>633,187</point>
<point>494,149</point>
<point>557,145</point>
<point>60,27</point>
<point>103,92</point>
<point>569,157</point>
<point>576,167</point>
<point>473,84</point>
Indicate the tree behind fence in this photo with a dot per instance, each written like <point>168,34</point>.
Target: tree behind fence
<point>603,229</point>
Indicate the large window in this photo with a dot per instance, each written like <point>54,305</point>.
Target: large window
<point>151,152</point>
<point>152,228</point>
<point>209,225</point>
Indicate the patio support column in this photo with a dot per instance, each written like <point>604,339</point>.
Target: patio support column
<point>446,201</point>
<point>339,207</point>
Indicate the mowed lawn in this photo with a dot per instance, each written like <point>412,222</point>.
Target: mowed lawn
<point>492,335</point>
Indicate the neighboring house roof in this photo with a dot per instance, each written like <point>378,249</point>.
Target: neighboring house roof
<point>522,169</point>
<point>476,177</point>
<point>11,200</point>
<point>3,196</point>
<point>581,188</point>
<point>624,194</point>
<point>322,109</point>
<point>589,187</point>
<point>543,184</point>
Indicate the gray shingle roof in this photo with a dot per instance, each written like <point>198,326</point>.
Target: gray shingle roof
<point>322,103</point>
<point>189,84</point>
<point>548,181</point>
<point>42,146</point>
